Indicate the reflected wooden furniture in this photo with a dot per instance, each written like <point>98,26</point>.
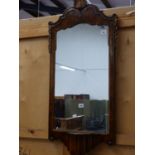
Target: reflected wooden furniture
<point>71,122</point>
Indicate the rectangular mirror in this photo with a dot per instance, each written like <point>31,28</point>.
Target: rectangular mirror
<point>82,79</point>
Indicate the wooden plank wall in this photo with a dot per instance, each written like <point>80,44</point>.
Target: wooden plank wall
<point>34,88</point>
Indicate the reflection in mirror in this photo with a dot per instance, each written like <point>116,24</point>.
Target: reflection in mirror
<point>82,79</point>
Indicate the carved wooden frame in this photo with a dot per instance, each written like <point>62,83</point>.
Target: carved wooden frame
<point>78,143</point>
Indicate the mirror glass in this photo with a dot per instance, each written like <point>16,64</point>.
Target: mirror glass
<point>82,79</point>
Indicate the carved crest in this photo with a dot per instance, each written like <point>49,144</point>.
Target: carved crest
<point>73,16</point>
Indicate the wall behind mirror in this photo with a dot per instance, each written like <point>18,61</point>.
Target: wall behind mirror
<point>82,79</point>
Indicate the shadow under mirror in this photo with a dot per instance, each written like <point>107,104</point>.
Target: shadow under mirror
<point>82,80</point>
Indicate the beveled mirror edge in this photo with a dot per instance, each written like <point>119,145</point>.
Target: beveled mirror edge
<point>71,17</point>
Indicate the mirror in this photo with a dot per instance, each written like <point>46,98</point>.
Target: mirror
<point>82,79</point>
<point>82,47</point>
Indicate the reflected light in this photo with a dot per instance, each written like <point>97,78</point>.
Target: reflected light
<point>67,68</point>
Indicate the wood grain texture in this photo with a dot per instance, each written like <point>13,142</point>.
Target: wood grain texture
<point>104,149</point>
<point>40,147</point>
<point>34,91</point>
<point>125,82</point>
<point>45,147</point>
<point>29,77</point>
<point>125,139</point>
<point>38,27</point>
<point>120,11</point>
<point>30,115</point>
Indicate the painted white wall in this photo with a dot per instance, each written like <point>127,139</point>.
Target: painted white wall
<point>84,47</point>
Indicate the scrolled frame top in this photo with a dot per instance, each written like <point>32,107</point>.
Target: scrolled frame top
<point>89,14</point>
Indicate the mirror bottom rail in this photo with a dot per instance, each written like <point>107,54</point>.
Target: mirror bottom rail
<point>79,143</point>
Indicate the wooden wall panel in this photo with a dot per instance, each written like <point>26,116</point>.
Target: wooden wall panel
<point>39,26</point>
<point>40,147</point>
<point>44,147</point>
<point>52,147</point>
<point>125,85</point>
<point>34,88</point>
<point>104,149</point>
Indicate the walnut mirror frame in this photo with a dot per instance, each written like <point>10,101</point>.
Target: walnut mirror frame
<point>83,13</point>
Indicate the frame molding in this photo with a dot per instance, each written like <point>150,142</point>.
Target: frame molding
<point>80,143</point>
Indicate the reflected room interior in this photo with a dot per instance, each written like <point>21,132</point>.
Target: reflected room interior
<point>82,79</point>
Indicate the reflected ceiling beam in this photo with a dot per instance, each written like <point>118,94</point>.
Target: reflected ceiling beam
<point>106,3</point>
<point>60,3</point>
